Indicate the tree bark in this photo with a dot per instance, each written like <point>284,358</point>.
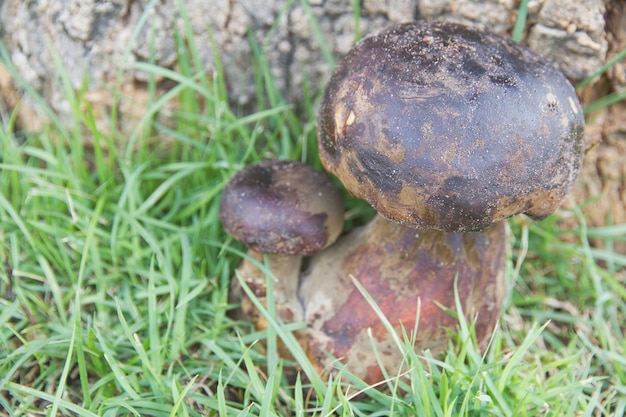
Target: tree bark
<point>100,38</point>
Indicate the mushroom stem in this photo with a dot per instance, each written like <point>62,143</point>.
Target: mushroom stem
<point>285,271</point>
<point>411,274</point>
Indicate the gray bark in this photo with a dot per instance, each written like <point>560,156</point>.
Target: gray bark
<point>98,39</point>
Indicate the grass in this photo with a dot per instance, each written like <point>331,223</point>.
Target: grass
<point>115,272</point>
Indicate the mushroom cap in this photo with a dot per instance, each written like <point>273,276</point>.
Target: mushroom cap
<point>437,125</point>
<point>282,207</point>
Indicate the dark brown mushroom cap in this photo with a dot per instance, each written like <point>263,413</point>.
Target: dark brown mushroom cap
<point>282,207</point>
<point>437,125</point>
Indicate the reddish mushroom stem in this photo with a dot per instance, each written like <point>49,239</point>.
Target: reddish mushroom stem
<point>411,275</point>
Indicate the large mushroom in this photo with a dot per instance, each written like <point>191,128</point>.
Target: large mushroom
<point>446,131</point>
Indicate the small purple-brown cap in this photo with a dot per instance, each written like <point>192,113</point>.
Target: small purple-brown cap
<point>282,207</point>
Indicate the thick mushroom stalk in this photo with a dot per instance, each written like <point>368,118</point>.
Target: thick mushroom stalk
<point>283,210</point>
<point>410,274</point>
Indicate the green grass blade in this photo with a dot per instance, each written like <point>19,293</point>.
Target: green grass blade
<point>520,22</point>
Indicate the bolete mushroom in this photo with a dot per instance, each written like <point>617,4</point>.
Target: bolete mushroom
<point>446,131</point>
<point>284,210</point>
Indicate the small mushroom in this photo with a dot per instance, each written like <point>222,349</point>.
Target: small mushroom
<point>446,131</point>
<point>284,210</point>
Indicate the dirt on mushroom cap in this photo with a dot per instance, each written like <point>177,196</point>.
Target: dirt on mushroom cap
<point>441,126</point>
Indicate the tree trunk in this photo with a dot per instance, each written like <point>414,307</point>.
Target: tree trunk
<point>101,37</point>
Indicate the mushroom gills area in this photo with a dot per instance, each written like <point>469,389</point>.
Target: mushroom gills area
<point>410,274</point>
